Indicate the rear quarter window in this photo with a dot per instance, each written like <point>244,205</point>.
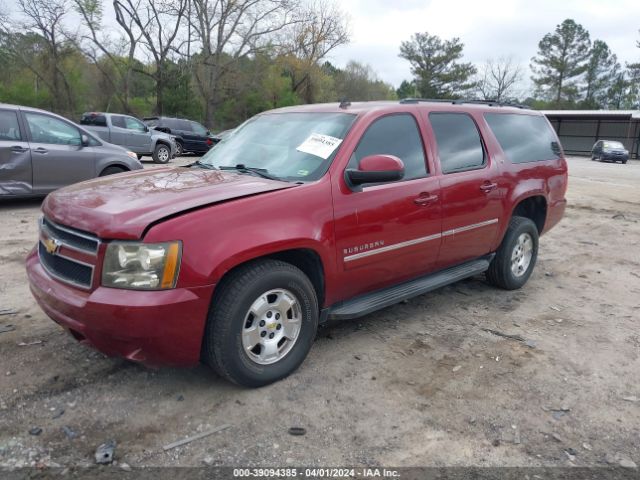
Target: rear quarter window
<point>94,120</point>
<point>524,138</point>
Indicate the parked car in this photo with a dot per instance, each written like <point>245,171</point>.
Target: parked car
<point>304,214</point>
<point>191,137</point>
<point>609,151</point>
<point>41,151</point>
<point>131,133</point>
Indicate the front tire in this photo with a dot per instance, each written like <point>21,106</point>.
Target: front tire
<point>162,153</point>
<point>179,149</point>
<point>516,257</point>
<point>262,323</point>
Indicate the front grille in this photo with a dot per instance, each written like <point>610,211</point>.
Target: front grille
<point>67,254</point>
<point>65,269</point>
<point>71,238</point>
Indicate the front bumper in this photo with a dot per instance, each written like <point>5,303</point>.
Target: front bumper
<point>615,157</point>
<point>152,327</point>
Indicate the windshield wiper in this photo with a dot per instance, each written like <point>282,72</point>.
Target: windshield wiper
<point>241,167</point>
<point>198,163</point>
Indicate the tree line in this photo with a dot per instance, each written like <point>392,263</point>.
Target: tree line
<point>569,71</point>
<point>218,61</point>
<point>222,61</point>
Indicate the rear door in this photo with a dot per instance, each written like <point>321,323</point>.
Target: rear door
<point>388,232</point>
<point>15,156</point>
<point>200,137</point>
<point>471,194</point>
<point>57,155</point>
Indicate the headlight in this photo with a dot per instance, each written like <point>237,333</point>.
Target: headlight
<point>132,154</point>
<point>141,266</point>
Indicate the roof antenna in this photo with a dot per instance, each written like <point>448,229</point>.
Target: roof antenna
<point>344,103</point>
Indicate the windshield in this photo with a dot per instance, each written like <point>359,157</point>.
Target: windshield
<point>613,145</point>
<point>290,146</point>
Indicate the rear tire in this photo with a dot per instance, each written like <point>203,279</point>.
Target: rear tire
<point>162,153</point>
<point>112,171</point>
<point>262,323</point>
<point>516,257</point>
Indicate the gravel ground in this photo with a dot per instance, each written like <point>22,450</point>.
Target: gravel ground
<point>421,383</point>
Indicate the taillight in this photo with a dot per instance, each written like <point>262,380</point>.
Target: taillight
<point>209,142</point>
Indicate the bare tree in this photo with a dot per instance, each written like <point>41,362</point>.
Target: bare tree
<point>46,52</point>
<point>229,30</point>
<point>323,28</point>
<point>157,23</point>
<point>95,43</point>
<point>499,79</point>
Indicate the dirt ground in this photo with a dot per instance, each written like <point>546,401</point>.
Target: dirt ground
<point>421,383</point>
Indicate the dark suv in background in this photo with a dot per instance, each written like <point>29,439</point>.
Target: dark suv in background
<point>609,151</point>
<point>191,136</point>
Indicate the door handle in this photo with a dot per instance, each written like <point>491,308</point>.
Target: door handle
<point>487,187</point>
<point>425,199</point>
<point>41,150</point>
<point>18,149</point>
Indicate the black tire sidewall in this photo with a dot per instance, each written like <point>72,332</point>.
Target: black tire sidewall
<point>524,225</point>
<point>156,157</point>
<point>179,149</point>
<point>237,363</point>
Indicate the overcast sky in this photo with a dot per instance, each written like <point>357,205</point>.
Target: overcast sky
<point>488,28</point>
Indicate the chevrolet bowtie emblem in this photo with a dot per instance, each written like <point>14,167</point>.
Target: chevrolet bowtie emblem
<point>51,245</point>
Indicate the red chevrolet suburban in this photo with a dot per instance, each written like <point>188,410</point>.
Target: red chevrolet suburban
<point>301,215</point>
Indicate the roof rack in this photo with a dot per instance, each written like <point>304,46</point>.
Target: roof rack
<point>490,103</point>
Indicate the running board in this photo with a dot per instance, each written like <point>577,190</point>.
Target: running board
<point>370,302</point>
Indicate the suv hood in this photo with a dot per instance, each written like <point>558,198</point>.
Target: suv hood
<point>123,206</point>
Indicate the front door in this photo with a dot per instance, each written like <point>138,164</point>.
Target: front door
<point>15,157</point>
<point>138,135</point>
<point>57,154</point>
<point>471,194</point>
<point>386,233</point>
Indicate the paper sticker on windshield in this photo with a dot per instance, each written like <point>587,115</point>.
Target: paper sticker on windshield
<point>319,145</point>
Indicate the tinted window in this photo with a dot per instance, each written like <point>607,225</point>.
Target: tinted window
<point>459,144</point>
<point>185,125</point>
<point>198,129</point>
<point>118,121</point>
<point>394,135</point>
<point>94,119</point>
<point>9,129</point>
<point>46,129</point>
<point>152,122</point>
<point>524,138</point>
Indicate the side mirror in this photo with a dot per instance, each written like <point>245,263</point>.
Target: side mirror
<point>84,139</point>
<point>376,169</point>
<point>146,128</point>
<point>208,132</point>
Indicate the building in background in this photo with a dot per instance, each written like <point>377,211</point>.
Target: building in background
<point>578,130</point>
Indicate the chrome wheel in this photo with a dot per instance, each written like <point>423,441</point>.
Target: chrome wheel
<point>271,326</point>
<point>521,255</point>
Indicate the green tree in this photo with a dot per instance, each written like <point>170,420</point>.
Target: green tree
<point>602,69</point>
<point>436,67</point>
<point>358,82</point>
<point>561,61</point>
<point>406,89</point>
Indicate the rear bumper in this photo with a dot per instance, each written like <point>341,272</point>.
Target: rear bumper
<point>155,328</point>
